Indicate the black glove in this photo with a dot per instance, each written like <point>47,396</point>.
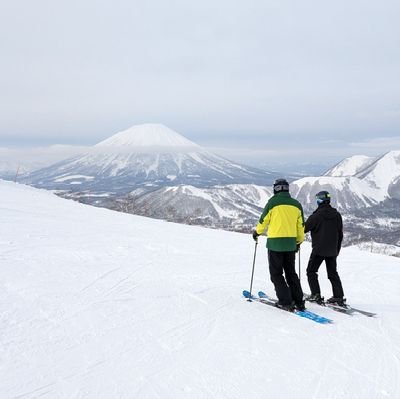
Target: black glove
<point>297,247</point>
<point>255,235</point>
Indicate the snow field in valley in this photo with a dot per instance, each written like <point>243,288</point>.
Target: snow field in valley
<point>100,304</point>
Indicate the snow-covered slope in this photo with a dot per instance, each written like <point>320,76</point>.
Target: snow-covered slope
<point>100,304</point>
<point>371,185</point>
<point>350,166</point>
<point>149,154</point>
<point>383,172</point>
<point>347,192</point>
<point>232,207</point>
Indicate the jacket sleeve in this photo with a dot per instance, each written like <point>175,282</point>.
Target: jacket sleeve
<point>310,223</point>
<point>264,220</point>
<point>340,231</point>
<point>300,227</point>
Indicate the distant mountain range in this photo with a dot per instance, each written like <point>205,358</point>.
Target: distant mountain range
<point>367,191</point>
<point>153,171</point>
<point>150,155</point>
<point>356,182</point>
<point>231,207</point>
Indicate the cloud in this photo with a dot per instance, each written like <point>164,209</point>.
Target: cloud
<point>28,159</point>
<point>283,150</point>
<point>76,72</point>
<point>378,144</point>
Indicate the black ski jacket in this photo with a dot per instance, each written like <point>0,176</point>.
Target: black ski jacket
<point>326,227</point>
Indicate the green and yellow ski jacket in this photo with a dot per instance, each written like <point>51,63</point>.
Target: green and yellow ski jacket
<point>283,217</point>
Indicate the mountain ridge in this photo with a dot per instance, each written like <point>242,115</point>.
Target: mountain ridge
<point>350,166</point>
<point>129,159</point>
<point>366,186</point>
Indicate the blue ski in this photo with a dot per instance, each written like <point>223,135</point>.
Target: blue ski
<point>263,298</point>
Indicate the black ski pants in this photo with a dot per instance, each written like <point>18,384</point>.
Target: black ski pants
<point>288,288</point>
<point>312,274</point>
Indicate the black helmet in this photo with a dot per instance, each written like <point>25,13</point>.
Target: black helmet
<point>323,197</point>
<point>281,185</point>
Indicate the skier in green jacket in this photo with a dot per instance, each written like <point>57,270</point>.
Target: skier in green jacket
<point>284,220</point>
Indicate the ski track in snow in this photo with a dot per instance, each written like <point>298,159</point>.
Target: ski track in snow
<point>98,304</point>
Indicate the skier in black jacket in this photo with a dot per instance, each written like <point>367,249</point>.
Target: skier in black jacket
<point>326,227</point>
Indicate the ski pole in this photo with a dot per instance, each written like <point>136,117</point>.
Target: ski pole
<point>252,273</point>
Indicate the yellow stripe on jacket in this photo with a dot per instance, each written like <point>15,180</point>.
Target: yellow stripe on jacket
<point>283,225</point>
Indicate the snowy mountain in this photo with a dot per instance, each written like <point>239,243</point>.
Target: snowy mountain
<point>347,193</point>
<point>369,203</point>
<point>148,135</point>
<point>153,171</point>
<point>379,180</point>
<point>350,166</point>
<point>150,155</point>
<point>238,207</point>
<point>384,173</point>
<point>369,200</point>
<point>231,207</point>
<point>101,304</point>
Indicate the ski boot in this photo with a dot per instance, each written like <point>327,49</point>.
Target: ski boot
<point>337,301</point>
<point>289,308</point>
<point>316,298</point>
<point>300,306</point>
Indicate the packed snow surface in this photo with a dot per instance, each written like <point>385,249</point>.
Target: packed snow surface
<point>99,304</point>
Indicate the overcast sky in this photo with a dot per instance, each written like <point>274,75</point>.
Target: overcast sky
<point>309,79</point>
